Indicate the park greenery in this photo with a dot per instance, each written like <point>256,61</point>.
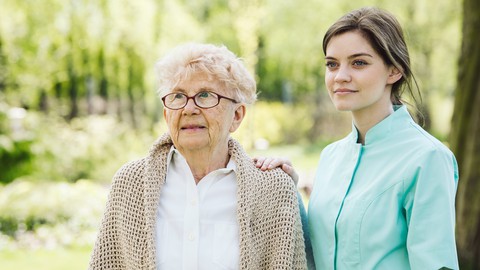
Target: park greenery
<point>78,99</point>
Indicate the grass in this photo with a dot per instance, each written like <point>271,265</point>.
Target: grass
<point>43,259</point>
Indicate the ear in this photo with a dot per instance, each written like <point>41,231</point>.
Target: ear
<point>165,115</point>
<point>394,75</point>
<point>238,116</point>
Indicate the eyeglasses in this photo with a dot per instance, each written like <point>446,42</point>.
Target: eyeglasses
<point>204,100</point>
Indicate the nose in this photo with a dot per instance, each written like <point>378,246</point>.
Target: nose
<point>190,108</point>
<point>343,74</point>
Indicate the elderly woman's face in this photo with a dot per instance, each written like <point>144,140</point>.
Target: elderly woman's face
<point>193,128</point>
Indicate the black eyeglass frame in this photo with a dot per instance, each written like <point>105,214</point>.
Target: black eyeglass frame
<point>219,97</point>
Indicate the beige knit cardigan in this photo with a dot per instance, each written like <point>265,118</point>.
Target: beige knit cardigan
<point>270,229</point>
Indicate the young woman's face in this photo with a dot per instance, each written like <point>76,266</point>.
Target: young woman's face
<point>357,78</point>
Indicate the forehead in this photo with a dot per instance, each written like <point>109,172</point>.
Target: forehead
<point>199,81</point>
<point>347,44</point>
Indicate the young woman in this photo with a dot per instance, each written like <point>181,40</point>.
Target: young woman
<point>383,197</point>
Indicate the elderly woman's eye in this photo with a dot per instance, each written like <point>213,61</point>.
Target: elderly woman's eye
<point>204,95</point>
<point>178,96</point>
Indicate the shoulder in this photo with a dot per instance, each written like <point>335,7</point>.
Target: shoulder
<point>275,178</point>
<point>156,158</point>
<point>427,157</point>
<point>254,179</point>
<point>130,169</point>
<point>338,147</point>
<point>425,144</point>
<point>128,178</point>
<point>268,192</point>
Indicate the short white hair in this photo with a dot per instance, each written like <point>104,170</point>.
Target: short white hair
<point>215,61</point>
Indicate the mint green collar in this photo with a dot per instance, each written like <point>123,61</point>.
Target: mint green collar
<point>395,121</point>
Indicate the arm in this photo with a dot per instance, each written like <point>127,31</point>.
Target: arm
<point>113,235</point>
<point>306,233</point>
<point>104,253</point>
<point>430,212</point>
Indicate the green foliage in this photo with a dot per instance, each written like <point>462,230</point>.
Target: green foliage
<point>85,148</point>
<point>56,150</point>
<point>50,214</point>
<point>275,122</point>
<point>15,154</point>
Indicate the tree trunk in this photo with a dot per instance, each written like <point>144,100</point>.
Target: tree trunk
<point>43,101</point>
<point>72,92</point>
<point>3,68</point>
<point>103,86</point>
<point>90,87</point>
<point>465,139</point>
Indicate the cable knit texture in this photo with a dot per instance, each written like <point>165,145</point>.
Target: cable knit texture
<point>270,229</point>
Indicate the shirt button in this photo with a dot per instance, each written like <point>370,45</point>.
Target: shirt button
<point>191,237</point>
<point>193,202</point>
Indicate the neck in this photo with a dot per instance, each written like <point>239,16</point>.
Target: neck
<point>202,162</point>
<point>365,120</point>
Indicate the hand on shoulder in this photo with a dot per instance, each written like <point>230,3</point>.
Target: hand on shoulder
<point>269,163</point>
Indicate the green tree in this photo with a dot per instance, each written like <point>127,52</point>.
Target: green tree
<point>465,138</point>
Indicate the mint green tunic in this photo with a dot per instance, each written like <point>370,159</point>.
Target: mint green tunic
<point>389,204</point>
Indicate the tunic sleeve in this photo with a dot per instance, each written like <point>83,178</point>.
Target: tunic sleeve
<point>430,211</point>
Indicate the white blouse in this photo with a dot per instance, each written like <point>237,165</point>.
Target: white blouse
<point>196,226</point>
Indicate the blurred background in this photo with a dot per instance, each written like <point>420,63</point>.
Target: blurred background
<point>77,98</point>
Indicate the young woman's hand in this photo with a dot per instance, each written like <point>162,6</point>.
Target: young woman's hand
<point>268,163</point>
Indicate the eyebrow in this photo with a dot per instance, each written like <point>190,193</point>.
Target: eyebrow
<point>177,89</point>
<point>351,56</point>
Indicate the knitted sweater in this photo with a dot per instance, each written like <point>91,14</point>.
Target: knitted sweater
<point>270,229</point>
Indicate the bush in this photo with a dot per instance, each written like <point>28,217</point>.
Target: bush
<point>15,154</point>
<point>275,122</point>
<point>48,148</point>
<point>51,214</point>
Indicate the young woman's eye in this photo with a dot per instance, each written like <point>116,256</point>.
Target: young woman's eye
<point>359,63</point>
<point>331,64</point>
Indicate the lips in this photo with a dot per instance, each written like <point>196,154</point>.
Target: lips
<point>344,91</point>
<point>192,127</point>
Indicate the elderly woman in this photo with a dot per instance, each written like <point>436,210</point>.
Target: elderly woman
<point>197,201</point>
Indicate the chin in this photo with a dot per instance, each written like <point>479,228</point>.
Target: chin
<point>192,143</point>
<point>343,107</point>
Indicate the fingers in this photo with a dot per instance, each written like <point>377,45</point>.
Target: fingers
<point>266,163</point>
<point>258,160</point>
<point>262,162</point>
<point>291,172</point>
